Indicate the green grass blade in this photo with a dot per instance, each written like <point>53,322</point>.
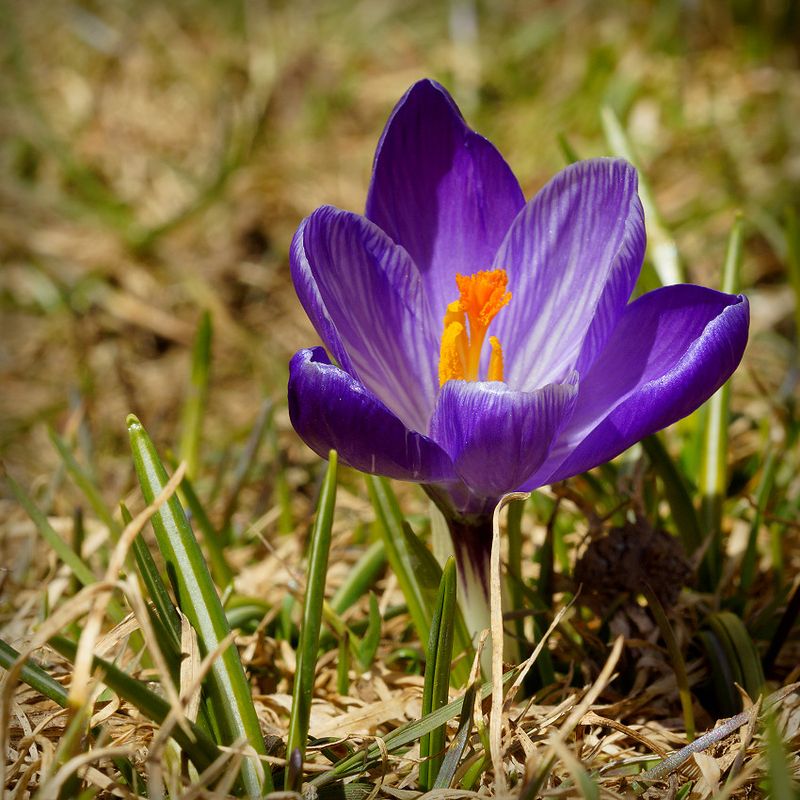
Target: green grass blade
<point>308,646</point>
<point>514,584</point>
<point>785,625</point>
<point>390,524</point>
<point>86,484</point>
<point>677,494</point>
<point>194,406</point>
<point>437,674</point>
<point>676,657</point>
<point>156,588</point>
<point>426,568</point>
<point>401,737</point>
<point>61,548</point>
<point>567,150</point>
<point>343,665</point>
<point>714,455</point>
<point>211,539</point>
<point>417,571</point>
<point>360,578</point>
<point>282,490</point>
<point>661,246</point>
<point>34,676</point>
<point>198,746</point>
<point>368,646</point>
<point>780,785</point>
<point>747,571</point>
<point>456,750</point>
<point>740,650</point>
<point>723,674</point>
<point>243,465</point>
<point>197,598</point>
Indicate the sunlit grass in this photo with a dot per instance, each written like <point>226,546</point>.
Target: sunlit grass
<point>156,161</point>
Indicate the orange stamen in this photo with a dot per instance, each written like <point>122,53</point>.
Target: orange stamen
<point>481,296</point>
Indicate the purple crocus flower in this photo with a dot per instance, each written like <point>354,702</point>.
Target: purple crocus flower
<point>448,251</point>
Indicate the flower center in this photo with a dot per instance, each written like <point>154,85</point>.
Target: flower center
<point>481,296</point>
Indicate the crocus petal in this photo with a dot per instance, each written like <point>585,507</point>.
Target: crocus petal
<point>673,348</point>
<point>573,255</point>
<point>497,437</point>
<point>305,285</point>
<point>332,410</point>
<point>369,308</point>
<point>441,190</point>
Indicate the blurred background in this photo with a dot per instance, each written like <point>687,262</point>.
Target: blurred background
<point>156,158</point>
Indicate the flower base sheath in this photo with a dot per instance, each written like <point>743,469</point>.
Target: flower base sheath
<point>403,298</point>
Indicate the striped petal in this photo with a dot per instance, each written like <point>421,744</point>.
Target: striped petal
<point>496,437</point>
<point>573,255</point>
<point>441,191</point>
<point>330,409</point>
<point>364,295</point>
<point>673,348</point>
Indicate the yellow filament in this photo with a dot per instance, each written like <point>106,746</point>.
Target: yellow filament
<point>495,372</point>
<point>451,363</point>
<point>481,296</point>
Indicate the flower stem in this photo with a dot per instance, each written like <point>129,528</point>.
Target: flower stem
<point>472,543</point>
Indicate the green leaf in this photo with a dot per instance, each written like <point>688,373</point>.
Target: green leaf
<point>417,571</point>
<point>360,577</point>
<point>400,737</point>
<point>343,665</point>
<point>308,646</point>
<point>211,538</point>
<point>62,549</point>
<point>391,526</point>
<point>567,150</point>
<point>435,692</point>
<point>369,643</point>
<point>676,656</point>
<point>780,785</point>
<point>242,469</point>
<point>197,745</point>
<point>194,406</point>
<point>677,494</point>
<point>714,454</point>
<point>227,684</point>
<point>86,484</point>
<point>747,572</point>
<point>34,676</point>
<point>456,750</point>
<point>741,657</point>
<point>156,589</point>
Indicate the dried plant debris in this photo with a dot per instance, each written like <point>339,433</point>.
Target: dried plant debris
<point>156,160</point>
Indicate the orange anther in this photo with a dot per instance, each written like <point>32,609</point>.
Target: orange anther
<point>481,296</point>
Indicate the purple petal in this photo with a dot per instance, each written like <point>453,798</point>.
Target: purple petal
<point>673,348</point>
<point>497,437</point>
<point>308,293</point>
<point>329,409</point>
<point>441,191</point>
<point>366,300</point>
<point>573,255</point>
